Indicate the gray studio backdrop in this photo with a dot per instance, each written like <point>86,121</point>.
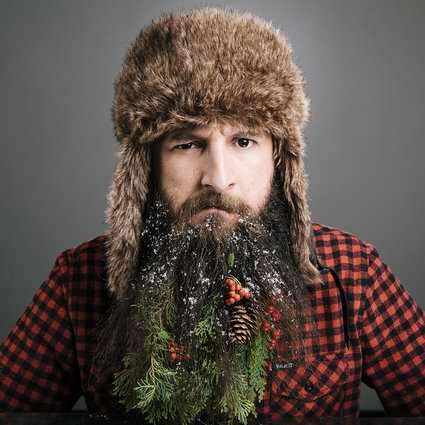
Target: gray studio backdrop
<point>363,61</point>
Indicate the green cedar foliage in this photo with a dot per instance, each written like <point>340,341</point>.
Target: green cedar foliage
<point>163,392</point>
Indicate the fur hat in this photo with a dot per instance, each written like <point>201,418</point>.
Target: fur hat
<point>204,67</point>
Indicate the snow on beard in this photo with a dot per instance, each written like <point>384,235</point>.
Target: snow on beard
<point>195,258</point>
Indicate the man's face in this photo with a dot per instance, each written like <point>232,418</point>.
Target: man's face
<point>235,164</point>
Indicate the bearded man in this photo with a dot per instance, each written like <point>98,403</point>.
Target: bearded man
<point>214,297</point>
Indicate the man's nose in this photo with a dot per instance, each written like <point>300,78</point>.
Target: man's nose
<point>217,171</point>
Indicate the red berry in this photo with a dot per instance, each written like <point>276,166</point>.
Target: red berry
<point>179,357</point>
<point>232,287</point>
<point>242,293</point>
<point>276,333</point>
<point>170,344</point>
<point>173,357</point>
<point>266,326</point>
<point>237,297</point>
<point>276,315</point>
<point>181,349</point>
<point>273,342</point>
<point>270,309</point>
<point>231,294</point>
<point>230,301</point>
<point>269,366</point>
<point>187,356</point>
<point>238,287</point>
<point>171,349</point>
<point>230,281</point>
<point>247,294</point>
<point>270,347</point>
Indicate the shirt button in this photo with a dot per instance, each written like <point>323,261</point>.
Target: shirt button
<point>308,387</point>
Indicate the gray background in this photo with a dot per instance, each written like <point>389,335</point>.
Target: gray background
<point>363,61</point>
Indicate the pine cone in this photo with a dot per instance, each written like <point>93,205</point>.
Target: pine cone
<point>243,323</point>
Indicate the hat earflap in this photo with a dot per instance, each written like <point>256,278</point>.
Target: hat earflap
<point>295,189</point>
<point>127,197</point>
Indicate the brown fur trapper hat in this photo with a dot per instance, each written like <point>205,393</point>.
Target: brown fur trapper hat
<point>203,67</point>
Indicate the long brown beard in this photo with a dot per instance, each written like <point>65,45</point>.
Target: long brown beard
<point>192,259</point>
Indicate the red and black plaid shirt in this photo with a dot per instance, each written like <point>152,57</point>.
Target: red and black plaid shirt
<point>369,329</point>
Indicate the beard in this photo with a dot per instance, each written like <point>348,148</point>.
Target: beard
<point>182,265</point>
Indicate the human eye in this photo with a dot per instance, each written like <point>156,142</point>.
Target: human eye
<point>185,146</point>
<point>244,143</point>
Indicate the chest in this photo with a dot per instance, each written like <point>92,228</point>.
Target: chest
<point>325,381</point>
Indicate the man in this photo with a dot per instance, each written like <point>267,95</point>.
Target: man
<point>212,276</point>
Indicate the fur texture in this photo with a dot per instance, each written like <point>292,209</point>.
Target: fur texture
<point>204,67</point>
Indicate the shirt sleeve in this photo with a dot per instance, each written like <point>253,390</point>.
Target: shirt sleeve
<point>38,365</point>
<point>393,343</point>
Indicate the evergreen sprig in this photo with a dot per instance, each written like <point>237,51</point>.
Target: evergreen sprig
<point>164,392</point>
<point>155,393</point>
<point>126,380</point>
<point>253,359</point>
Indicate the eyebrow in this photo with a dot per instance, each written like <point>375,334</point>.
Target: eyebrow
<point>187,136</point>
<point>183,136</point>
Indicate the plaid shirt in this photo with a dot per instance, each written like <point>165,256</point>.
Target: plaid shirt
<point>369,329</point>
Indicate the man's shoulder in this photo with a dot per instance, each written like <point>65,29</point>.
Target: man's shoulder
<point>323,232</point>
<point>89,253</point>
<point>82,271</point>
<point>331,242</point>
<point>97,244</point>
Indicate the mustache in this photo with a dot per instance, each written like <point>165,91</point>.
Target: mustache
<point>212,199</point>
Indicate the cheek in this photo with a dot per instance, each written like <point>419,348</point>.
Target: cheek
<point>177,183</point>
<point>257,182</point>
